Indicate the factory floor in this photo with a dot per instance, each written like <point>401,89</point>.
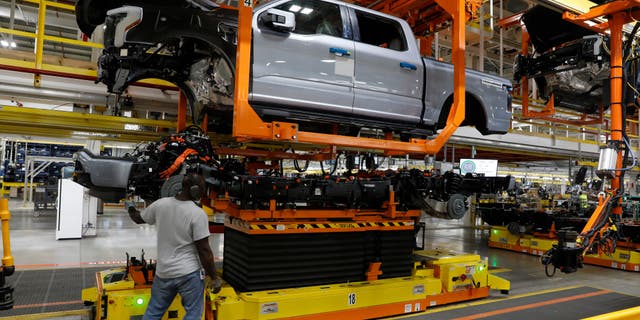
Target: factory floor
<point>39,259</point>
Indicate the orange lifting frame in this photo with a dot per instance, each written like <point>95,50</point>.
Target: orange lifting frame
<point>224,204</point>
<point>549,109</point>
<point>247,125</point>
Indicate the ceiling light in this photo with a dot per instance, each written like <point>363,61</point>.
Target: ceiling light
<point>4,43</point>
<point>13,44</point>
<point>294,8</point>
<point>306,11</point>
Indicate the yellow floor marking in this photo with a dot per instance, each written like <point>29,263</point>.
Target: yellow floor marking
<point>477,303</point>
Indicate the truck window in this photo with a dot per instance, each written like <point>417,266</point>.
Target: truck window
<point>315,17</point>
<point>381,32</point>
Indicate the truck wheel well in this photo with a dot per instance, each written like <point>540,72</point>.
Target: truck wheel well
<point>474,113</point>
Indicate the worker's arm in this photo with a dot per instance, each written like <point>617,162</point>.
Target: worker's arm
<point>134,214</point>
<point>206,259</point>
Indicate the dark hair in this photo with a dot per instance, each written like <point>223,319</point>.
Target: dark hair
<point>191,179</point>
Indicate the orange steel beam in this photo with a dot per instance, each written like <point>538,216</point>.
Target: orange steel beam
<point>397,7</point>
<point>584,119</point>
<point>611,8</point>
<point>510,20</point>
<point>426,43</point>
<point>247,125</point>
<point>226,206</point>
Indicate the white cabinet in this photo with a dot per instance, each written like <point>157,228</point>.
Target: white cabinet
<point>71,204</point>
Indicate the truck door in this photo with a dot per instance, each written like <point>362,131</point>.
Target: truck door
<point>389,71</point>
<point>309,68</point>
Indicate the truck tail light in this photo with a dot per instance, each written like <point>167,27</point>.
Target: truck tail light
<point>509,97</point>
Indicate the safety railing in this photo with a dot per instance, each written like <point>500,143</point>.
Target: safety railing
<point>41,60</point>
<point>34,61</point>
<point>596,134</point>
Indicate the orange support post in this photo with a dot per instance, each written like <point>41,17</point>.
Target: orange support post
<point>618,14</point>
<point>524,82</point>
<point>616,22</point>
<point>247,125</point>
<point>5,216</point>
<point>456,9</point>
<point>549,109</point>
<point>426,43</point>
<point>374,271</point>
<point>205,124</point>
<point>182,112</point>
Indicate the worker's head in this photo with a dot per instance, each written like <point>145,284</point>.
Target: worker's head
<point>193,186</point>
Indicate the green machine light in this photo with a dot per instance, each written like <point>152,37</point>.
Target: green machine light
<point>139,301</point>
<point>480,267</point>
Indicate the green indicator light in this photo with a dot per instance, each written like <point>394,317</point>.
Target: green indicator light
<point>495,231</point>
<point>139,301</point>
<point>480,267</point>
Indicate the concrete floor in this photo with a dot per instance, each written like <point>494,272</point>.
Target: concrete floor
<point>116,235</point>
<point>34,247</point>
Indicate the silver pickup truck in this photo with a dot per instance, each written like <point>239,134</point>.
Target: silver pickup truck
<point>314,61</point>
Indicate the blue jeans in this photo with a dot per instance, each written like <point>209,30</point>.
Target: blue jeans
<point>163,291</point>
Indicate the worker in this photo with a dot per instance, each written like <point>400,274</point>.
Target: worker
<point>584,200</point>
<point>184,254</point>
<point>331,25</point>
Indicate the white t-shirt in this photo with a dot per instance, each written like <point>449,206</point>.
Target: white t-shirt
<point>179,225</point>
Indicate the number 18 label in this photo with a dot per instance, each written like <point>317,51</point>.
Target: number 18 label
<point>351,298</point>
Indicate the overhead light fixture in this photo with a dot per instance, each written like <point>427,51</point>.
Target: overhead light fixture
<point>13,44</point>
<point>295,8</point>
<point>306,11</point>
<point>4,43</point>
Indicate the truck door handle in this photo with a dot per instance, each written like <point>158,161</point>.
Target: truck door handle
<point>340,52</point>
<point>408,66</point>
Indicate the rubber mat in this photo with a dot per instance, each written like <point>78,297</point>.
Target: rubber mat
<point>573,303</point>
<point>51,290</point>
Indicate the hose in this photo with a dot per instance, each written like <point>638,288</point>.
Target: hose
<point>546,260</point>
<point>297,166</point>
<point>335,166</point>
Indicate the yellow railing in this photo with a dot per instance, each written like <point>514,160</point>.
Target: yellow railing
<point>63,124</point>
<point>37,63</point>
<point>54,4</point>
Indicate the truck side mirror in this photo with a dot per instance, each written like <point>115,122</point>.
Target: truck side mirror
<point>279,20</point>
